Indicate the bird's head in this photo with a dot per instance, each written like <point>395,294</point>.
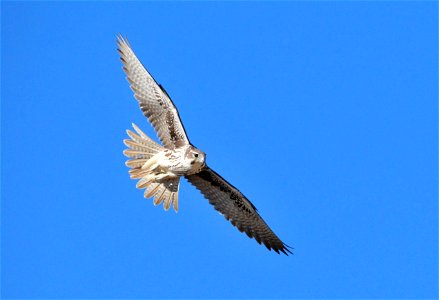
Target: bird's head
<point>197,157</point>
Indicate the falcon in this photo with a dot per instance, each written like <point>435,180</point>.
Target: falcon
<point>159,167</point>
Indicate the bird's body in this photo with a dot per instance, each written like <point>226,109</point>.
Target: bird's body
<point>175,163</point>
<point>159,168</point>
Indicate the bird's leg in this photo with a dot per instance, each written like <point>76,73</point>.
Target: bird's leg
<point>161,176</point>
<point>151,164</point>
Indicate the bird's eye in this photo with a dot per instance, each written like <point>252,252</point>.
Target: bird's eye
<point>196,154</point>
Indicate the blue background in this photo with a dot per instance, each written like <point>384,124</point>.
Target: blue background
<point>324,114</point>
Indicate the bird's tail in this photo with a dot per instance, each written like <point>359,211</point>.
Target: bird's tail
<point>142,148</point>
<point>141,151</point>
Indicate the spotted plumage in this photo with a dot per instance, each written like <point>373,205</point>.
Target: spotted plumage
<point>159,168</point>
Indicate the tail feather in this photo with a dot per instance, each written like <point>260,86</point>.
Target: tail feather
<point>146,145</point>
<point>144,182</point>
<point>140,147</point>
<point>167,203</point>
<point>138,173</point>
<point>160,195</point>
<point>165,192</point>
<point>136,163</point>
<point>142,139</point>
<point>136,154</point>
<point>138,143</point>
<point>152,189</point>
<point>141,150</point>
<point>175,200</point>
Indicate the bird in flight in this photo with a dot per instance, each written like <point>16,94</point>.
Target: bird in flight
<point>159,167</point>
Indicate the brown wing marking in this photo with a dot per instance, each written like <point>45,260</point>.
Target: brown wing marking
<point>236,208</point>
<point>154,101</point>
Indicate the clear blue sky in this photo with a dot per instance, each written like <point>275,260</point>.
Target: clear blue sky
<point>324,114</point>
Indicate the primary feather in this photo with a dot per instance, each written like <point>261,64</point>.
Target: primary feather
<point>159,168</point>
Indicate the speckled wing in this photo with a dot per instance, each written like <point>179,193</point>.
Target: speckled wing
<point>236,208</point>
<point>153,99</point>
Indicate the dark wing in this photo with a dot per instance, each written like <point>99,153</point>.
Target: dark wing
<point>236,208</point>
<point>153,99</point>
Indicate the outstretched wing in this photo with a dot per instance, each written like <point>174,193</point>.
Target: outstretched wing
<point>153,99</point>
<point>236,208</point>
